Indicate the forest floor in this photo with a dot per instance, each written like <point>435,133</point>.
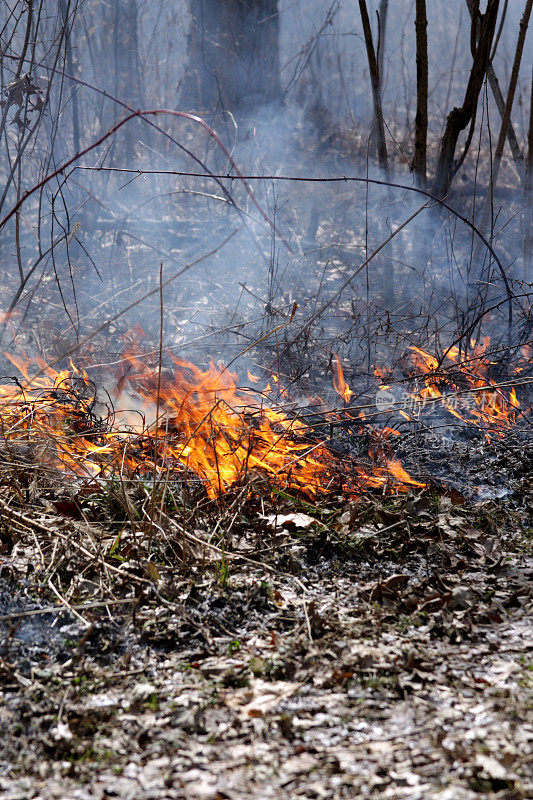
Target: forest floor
<point>381,648</point>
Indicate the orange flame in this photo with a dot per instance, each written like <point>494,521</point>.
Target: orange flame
<point>474,397</point>
<point>201,423</point>
<point>341,387</point>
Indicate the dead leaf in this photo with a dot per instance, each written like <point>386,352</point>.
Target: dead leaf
<point>299,520</point>
<point>261,698</point>
<point>493,768</point>
<point>152,572</point>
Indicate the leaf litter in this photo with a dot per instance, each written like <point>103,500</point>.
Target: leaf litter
<point>265,648</point>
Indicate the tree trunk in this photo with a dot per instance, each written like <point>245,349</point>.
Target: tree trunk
<point>65,10</point>
<point>383,11</point>
<point>506,117</point>
<point>120,57</point>
<point>376,92</point>
<point>529,162</point>
<point>528,255</point>
<point>421,120</point>
<point>233,55</point>
<point>458,118</point>
<point>379,131</point>
<point>500,103</point>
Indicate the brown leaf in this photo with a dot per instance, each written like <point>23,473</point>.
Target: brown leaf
<point>152,572</point>
<point>68,508</point>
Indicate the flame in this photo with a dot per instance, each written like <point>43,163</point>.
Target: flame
<point>185,421</point>
<point>382,372</point>
<point>513,399</point>
<point>381,453</point>
<point>341,387</point>
<point>466,390</point>
<point>396,469</point>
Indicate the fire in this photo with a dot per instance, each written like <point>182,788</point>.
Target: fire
<point>464,387</point>
<point>341,387</point>
<point>181,422</point>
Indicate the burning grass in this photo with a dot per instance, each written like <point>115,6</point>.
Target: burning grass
<point>169,424</point>
<point>131,557</point>
<point>464,387</point>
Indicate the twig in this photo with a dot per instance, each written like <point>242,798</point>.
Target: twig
<point>158,401</point>
<point>67,604</point>
<point>34,612</point>
<point>135,303</point>
<point>114,128</point>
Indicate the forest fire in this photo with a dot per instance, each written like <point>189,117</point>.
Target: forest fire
<point>174,423</point>
<point>182,421</point>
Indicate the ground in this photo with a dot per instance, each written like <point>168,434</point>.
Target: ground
<point>374,648</point>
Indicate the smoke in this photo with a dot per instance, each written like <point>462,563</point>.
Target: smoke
<point>121,226</point>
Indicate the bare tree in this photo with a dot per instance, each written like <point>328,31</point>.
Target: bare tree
<point>529,182</point>
<point>500,103</point>
<point>376,91</point>
<point>383,12</point>
<point>31,41</point>
<point>119,46</point>
<point>506,116</point>
<point>529,163</point>
<point>460,117</point>
<point>70,69</point>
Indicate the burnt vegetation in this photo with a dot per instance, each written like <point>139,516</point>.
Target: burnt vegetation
<point>265,399</point>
